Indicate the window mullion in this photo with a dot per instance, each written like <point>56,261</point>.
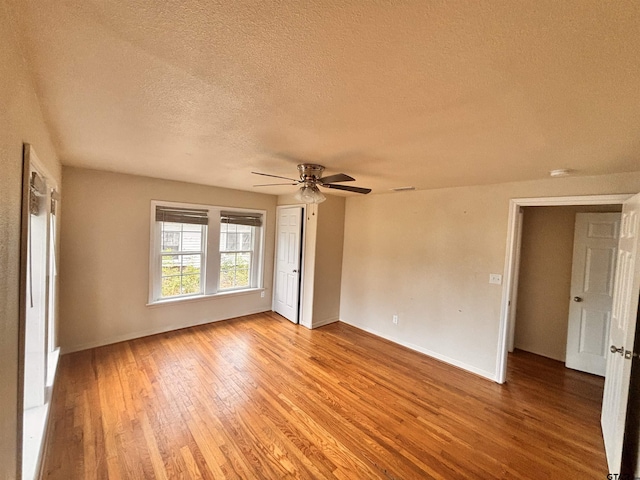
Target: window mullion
<point>213,249</point>
<point>203,260</point>
<point>255,261</point>
<point>157,260</point>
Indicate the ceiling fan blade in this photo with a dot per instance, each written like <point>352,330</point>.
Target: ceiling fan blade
<point>275,176</point>
<point>273,184</point>
<point>347,188</point>
<point>339,177</point>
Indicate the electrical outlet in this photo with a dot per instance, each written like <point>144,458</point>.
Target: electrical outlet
<point>395,319</point>
<point>262,294</point>
<point>495,278</point>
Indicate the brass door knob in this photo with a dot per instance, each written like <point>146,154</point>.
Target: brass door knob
<point>617,350</point>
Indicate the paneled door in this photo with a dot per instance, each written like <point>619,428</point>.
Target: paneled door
<point>288,261</point>
<point>622,333</point>
<point>594,261</point>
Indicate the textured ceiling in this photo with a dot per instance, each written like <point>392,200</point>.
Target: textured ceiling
<point>423,93</point>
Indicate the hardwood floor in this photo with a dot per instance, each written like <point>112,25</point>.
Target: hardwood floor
<point>259,397</point>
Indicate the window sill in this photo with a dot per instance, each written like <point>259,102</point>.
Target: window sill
<point>201,298</point>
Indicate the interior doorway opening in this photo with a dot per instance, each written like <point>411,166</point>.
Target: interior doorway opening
<point>623,315</point>
<point>512,261</point>
<point>548,284</point>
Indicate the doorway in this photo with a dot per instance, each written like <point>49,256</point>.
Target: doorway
<point>547,271</point>
<point>512,261</point>
<point>623,317</point>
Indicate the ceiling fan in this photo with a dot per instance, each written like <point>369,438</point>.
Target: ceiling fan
<point>310,179</point>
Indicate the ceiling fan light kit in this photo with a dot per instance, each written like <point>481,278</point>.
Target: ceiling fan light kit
<point>311,179</point>
<point>309,195</point>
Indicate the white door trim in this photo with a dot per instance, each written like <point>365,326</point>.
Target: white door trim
<point>516,276</point>
<point>512,254</point>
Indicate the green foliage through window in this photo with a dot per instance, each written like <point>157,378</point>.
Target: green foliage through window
<point>180,280</point>
<point>182,254</point>
<point>236,249</point>
<point>234,270</point>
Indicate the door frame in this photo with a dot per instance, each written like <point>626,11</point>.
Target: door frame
<point>512,259</point>
<point>302,256</point>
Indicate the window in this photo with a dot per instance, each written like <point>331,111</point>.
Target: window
<point>237,242</point>
<point>182,257</point>
<point>201,250</point>
<point>235,255</point>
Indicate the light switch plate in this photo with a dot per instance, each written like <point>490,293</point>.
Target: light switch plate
<point>495,279</point>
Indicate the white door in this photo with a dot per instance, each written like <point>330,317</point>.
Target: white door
<point>287,291</point>
<point>621,336</point>
<point>594,261</point>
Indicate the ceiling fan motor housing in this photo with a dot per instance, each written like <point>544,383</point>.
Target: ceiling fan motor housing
<point>310,172</point>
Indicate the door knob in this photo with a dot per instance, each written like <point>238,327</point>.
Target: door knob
<point>617,350</point>
<point>577,299</point>
<point>295,271</point>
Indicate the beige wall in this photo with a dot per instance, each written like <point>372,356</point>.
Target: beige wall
<point>328,269</point>
<point>545,278</point>
<point>427,255</point>
<point>322,263</point>
<point>104,264</point>
<point>20,121</point>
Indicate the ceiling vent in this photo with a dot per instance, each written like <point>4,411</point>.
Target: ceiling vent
<point>403,189</point>
<point>560,172</point>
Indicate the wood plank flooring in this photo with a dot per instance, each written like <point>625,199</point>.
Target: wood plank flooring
<point>259,397</point>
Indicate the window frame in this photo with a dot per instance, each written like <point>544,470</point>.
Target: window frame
<point>183,253</point>
<point>212,254</point>
<point>252,262</point>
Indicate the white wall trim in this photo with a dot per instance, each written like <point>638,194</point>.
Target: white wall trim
<point>326,321</point>
<point>511,259</point>
<point>516,273</point>
<point>203,297</point>
<point>307,287</point>
<point>615,199</point>
<point>37,164</point>
<point>442,358</point>
<point>151,331</point>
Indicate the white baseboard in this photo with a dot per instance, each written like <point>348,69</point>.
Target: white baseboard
<point>443,358</point>
<point>322,323</point>
<point>146,333</point>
